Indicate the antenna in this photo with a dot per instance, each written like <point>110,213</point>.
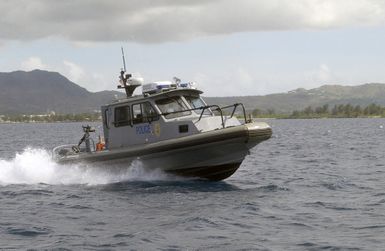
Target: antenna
<point>124,60</point>
<point>127,83</point>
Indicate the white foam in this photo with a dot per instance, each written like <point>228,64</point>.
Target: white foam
<point>34,166</point>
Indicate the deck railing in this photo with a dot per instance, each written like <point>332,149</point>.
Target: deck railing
<point>215,108</point>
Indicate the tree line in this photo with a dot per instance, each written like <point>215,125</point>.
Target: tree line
<point>326,111</point>
<point>52,118</point>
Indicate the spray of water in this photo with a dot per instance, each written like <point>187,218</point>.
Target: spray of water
<point>34,166</point>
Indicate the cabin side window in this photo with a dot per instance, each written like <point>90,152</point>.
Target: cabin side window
<point>144,113</point>
<point>172,107</point>
<point>122,116</point>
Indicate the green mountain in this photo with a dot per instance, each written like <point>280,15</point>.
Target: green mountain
<point>37,92</point>
<point>301,98</point>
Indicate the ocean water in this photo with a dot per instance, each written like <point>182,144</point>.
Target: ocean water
<point>315,185</point>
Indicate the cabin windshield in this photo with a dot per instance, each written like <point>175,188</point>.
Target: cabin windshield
<point>173,107</point>
<point>197,102</point>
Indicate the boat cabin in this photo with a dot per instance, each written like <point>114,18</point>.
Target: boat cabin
<point>164,110</point>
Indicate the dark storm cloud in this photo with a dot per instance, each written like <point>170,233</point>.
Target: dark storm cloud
<point>165,20</point>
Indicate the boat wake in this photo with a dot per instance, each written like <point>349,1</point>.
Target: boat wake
<point>34,166</point>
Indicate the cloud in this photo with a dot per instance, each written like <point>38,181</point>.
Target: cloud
<point>166,20</point>
<point>71,70</point>
<point>234,82</point>
<point>33,63</point>
<point>74,71</point>
<point>92,81</point>
<point>322,75</point>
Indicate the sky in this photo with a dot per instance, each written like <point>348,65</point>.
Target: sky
<point>228,47</point>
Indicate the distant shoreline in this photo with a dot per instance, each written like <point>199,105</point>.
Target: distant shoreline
<point>321,112</point>
<point>51,118</point>
<point>254,119</point>
<point>46,122</point>
<point>337,111</point>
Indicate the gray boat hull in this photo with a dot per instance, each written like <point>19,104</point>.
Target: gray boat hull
<point>213,155</point>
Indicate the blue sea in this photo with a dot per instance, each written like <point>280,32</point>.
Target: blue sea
<point>315,185</point>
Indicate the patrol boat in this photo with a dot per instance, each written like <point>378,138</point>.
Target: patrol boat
<point>169,127</point>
